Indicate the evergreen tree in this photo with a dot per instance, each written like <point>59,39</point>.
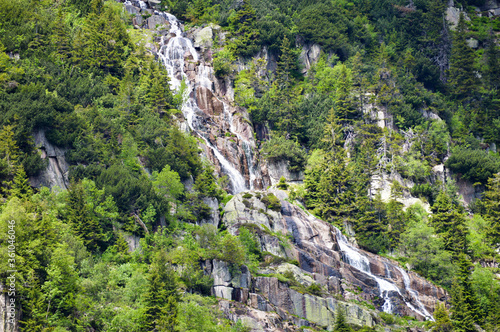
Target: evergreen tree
<point>493,65</point>
<point>344,103</point>
<point>340,323</point>
<point>337,199</point>
<point>285,113</point>
<point>449,224</point>
<point>161,296</point>
<point>491,204</point>
<point>21,187</point>
<point>462,78</point>
<point>86,224</point>
<point>443,322</point>
<point>243,26</point>
<point>464,302</point>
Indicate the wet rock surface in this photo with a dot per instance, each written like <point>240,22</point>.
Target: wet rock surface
<point>319,257</point>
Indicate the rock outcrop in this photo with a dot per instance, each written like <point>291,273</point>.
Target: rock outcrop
<point>322,258</point>
<point>209,110</point>
<point>57,171</point>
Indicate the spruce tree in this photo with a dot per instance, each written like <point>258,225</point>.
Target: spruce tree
<point>86,224</point>
<point>449,224</point>
<point>493,65</point>
<point>161,296</point>
<point>340,323</point>
<point>21,187</point>
<point>285,114</point>
<point>443,322</point>
<point>344,103</point>
<point>462,78</point>
<point>464,303</point>
<point>491,204</point>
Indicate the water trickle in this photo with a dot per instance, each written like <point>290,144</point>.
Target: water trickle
<point>173,53</point>
<point>414,294</point>
<point>354,258</point>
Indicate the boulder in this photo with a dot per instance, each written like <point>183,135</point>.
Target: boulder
<point>132,10</point>
<point>473,43</point>
<point>156,22</point>
<point>204,38</point>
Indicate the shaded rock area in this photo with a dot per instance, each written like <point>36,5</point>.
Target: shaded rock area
<point>291,235</point>
<point>57,171</point>
<point>280,168</point>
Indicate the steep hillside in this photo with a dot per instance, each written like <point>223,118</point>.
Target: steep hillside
<point>222,165</point>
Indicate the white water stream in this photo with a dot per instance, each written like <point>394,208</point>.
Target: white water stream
<point>356,259</point>
<point>172,54</point>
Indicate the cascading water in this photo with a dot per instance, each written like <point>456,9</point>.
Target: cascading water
<point>357,260</point>
<point>247,147</point>
<point>354,258</point>
<point>172,54</point>
<point>414,294</point>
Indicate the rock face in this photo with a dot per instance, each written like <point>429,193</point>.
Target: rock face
<point>324,257</point>
<point>209,110</point>
<point>278,169</point>
<point>5,326</point>
<point>57,171</point>
<point>309,56</point>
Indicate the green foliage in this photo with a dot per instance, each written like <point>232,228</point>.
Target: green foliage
<point>463,80</point>
<point>168,183</point>
<point>426,253</point>
<point>279,148</point>
<point>443,322</point>
<point>473,165</point>
<point>282,184</point>
<point>491,203</point>
<point>340,323</point>
<point>161,296</point>
<point>222,62</point>
<point>271,202</point>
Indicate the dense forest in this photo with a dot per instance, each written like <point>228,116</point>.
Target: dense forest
<point>79,73</point>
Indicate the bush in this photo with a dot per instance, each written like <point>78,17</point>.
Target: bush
<point>473,165</point>
<point>272,202</point>
<point>280,148</point>
<point>282,184</point>
<point>314,289</point>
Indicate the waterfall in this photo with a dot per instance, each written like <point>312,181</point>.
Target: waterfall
<point>356,259</point>
<point>172,54</point>
<point>414,294</point>
<point>247,147</point>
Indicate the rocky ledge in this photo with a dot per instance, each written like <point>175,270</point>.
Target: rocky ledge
<point>307,277</point>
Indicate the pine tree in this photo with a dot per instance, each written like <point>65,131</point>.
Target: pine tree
<point>449,224</point>
<point>344,103</point>
<point>464,303</point>
<point>60,39</point>
<point>462,78</point>
<point>337,199</point>
<point>443,322</point>
<point>491,204</point>
<point>8,147</point>
<point>340,323</point>
<point>21,187</point>
<point>243,26</point>
<point>492,56</point>
<point>161,296</point>
<point>285,114</point>
<point>84,222</point>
